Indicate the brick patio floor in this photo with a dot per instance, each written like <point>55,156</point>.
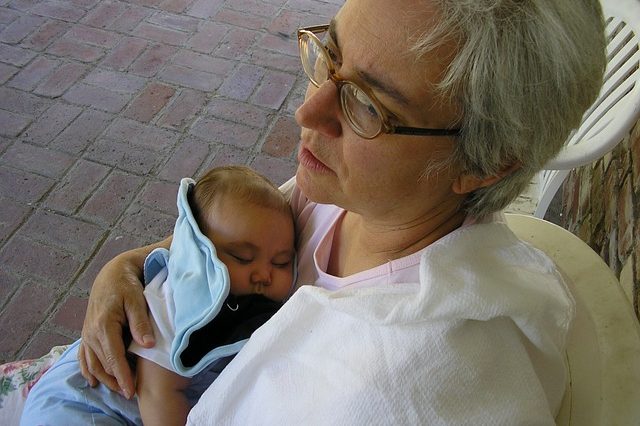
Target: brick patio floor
<point>104,106</point>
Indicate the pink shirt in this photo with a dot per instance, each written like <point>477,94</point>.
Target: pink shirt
<point>316,224</point>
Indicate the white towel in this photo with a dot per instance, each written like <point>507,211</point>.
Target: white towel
<point>478,341</point>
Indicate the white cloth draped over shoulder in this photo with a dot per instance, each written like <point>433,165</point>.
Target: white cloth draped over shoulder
<point>477,338</point>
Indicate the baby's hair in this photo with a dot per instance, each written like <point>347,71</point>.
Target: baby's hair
<point>239,182</point>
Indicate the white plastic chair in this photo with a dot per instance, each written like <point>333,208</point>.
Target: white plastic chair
<point>603,349</point>
<point>615,111</point>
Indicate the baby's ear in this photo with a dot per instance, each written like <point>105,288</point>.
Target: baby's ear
<point>466,183</point>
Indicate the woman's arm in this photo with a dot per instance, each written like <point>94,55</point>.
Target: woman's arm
<point>116,300</point>
<point>161,395</point>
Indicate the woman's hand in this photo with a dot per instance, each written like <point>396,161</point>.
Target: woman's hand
<point>116,300</point>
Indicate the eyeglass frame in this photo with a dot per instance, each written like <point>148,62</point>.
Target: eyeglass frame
<point>385,125</point>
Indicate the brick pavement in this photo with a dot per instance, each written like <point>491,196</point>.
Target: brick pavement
<point>104,106</point>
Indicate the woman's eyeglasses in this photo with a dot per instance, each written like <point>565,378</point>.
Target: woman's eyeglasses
<point>363,111</point>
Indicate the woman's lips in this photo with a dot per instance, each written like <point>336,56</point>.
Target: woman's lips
<point>309,161</point>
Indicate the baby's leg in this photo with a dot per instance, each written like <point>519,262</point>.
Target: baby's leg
<point>63,397</point>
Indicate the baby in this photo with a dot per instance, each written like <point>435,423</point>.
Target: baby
<point>229,268</point>
<point>230,265</point>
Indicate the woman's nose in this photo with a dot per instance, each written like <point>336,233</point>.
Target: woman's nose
<point>320,110</point>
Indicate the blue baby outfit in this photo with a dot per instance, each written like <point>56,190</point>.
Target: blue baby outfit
<point>199,285</point>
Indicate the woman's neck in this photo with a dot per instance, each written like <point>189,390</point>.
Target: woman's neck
<point>360,244</point>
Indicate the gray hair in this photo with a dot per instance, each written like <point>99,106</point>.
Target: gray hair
<point>525,72</point>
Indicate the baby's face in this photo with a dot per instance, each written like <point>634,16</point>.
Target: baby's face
<point>257,246</point>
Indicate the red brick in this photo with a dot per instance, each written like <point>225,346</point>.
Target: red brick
<point>61,79</point>
<point>32,74</point>
<point>283,138</point>
<point>43,341</point>
<point>318,8</point>
<point>152,60</point>
<point>20,28</point>
<point>135,133</point>
<point>84,130</point>
<point>152,99</point>
<point>635,160</point>
<point>236,43</point>
<point>45,35</point>
<point>11,124</point>
<point>132,159</point>
<point>95,36</point>
<point>97,97</point>
<point>23,186</point>
<point>117,243</point>
<point>256,7</point>
<point>115,81</point>
<point>70,234</point>
<point>206,63</point>
<point>274,89</point>
<point>23,5</point>
<point>24,314</point>
<point>162,35</point>
<point>71,48</point>
<point>51,123</point>
<point>241,84</point>
<point>160,196</point>
<point>227,154</point>
<point>204,8</point>
<point>70,314</point>
<point>141,220</point>
<point>174,21</point>
<point>105,14</point>
<point>37,159</point>
<point>8,15</point>
<point>58,10</point>
<point>183,109</point>
<point>78,184</point>
<point>241,19</point>
<point>296,96</point>
<point>6,72</point>
<point>15,55</point>
<point>239,112</point>
<point>193,79</point>
<point>208,36</point>
<point>212,129</point>
<point>146,2</point>
<point>10,284</point>
<point>22,102</point>
<point>288,21</point>
<point>177,6</point>
<point>185,160</point>
<point>130,19</point>
<point>125,53</point>
<point>278,43</point>
<point>12,215</point>
<point>278,170</point>
<point>53,268</point>
<point>625,220</point>
<point>112,198</point>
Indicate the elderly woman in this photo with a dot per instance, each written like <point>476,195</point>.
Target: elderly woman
<point>415,303</point>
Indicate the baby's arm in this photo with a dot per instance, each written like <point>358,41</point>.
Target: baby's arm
<point>161,395</point>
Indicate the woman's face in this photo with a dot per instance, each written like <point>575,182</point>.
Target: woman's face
<point>382,179</point>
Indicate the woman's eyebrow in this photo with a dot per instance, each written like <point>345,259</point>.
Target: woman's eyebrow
<point>371,81</point>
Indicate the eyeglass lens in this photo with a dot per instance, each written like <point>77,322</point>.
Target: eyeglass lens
<point>356,104</point>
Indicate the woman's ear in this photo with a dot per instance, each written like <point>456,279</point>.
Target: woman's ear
<point>466,183</point>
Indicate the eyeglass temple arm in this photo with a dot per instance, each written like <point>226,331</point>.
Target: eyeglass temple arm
<point>424,132</point>
<point>315,28</point>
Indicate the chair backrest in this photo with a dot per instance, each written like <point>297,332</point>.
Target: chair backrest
<point>603,349</point>
<point>617,108</point>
